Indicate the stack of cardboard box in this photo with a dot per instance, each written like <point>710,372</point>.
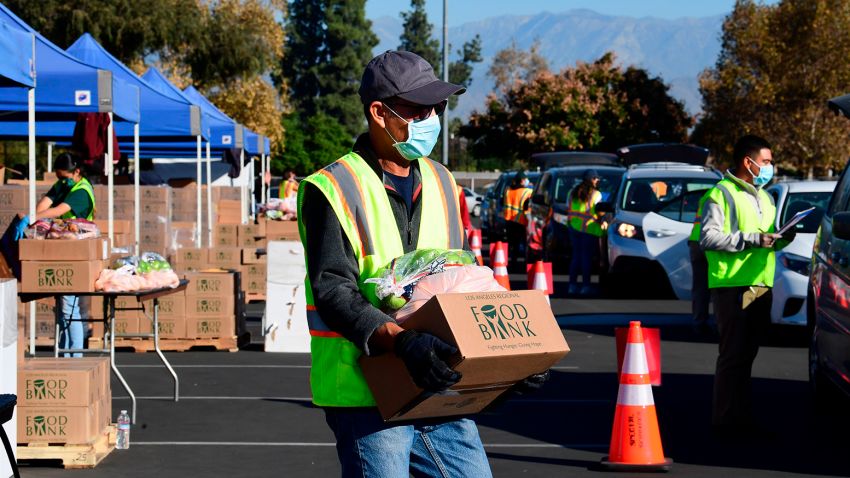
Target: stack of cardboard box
<point>62,400</point>
<point>61,265</point>
<point>13,200</point>
<point>210,305</point>
<point>45,319</point>
<point>155,213</point>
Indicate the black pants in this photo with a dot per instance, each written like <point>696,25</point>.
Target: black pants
<point>516,240</point>
<point>700,296</point>
<point>741,330</point>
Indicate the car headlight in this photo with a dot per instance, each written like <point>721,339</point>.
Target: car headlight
<point>799,264</point>
<point>629,231</point>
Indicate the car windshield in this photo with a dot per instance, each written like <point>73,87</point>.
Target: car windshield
<point>564,183</point>
<point>796,202</point>
<point>653,194</point>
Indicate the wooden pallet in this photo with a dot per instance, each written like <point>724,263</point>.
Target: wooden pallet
<point>72,456</point>
<point>140,345</point>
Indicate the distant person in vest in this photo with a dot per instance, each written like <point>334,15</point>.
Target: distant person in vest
<point>380,201</point>
<point>586,228</point>
<point>516,203</point>
<point>289,186</point>
<point>71,197</point>
<point>737,235</point>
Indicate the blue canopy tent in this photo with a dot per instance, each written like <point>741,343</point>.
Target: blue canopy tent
<point>66,87</point>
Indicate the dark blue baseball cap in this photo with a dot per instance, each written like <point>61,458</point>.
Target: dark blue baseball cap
<point>404,75</point>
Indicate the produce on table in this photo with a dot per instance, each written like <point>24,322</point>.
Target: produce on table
<point>281,209</point>
<point>131,274</point>
<point>394,284</point>
<point>62,229</point>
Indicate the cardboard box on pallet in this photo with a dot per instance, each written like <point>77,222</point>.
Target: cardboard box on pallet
<point>72,425</point>
<point>171,317</point>
<point>282,231</point>
<point>59,276</point>
<point>188,259</point>
<point>254,278</point>
<point>225,257</point>
<point>225,235</point>
<point>198,327</point>
<point>209,284</point>
<point>249,256</point>
<point>502,338</point>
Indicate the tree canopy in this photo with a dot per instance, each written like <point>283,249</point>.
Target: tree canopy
<point>598,106</point>
<point>778,66</point>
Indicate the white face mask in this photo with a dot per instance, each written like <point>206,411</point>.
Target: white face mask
<point>421,137</point>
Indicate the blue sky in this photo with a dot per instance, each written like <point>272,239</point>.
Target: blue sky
<point>462,11</point>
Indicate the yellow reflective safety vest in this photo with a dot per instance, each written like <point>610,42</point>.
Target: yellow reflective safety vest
<point>583,214</point>
<point>514,200</point>
<point>359,199</point>
<point>694,237</point>
<point>85,185</point>
<point>754,265</point>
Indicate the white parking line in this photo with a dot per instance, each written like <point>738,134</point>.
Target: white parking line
<point>308,399</point>
<point>321,444</point>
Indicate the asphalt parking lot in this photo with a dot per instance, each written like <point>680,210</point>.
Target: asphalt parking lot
<point>249,414</point>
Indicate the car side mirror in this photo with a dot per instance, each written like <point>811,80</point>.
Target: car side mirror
<point>604,207</point>
<point>841,225</point>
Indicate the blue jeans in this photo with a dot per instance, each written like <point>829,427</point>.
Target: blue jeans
<point>584,247</point>
<point>367,447</point>
<point>70,332</point>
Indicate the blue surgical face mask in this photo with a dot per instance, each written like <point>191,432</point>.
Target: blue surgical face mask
<point>764,176</point>
<point>421,137</point>
<point>68,182</point>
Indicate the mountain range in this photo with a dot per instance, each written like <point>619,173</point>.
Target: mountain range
<point>676,50</point>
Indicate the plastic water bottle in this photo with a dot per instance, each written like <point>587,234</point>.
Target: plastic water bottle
<point>123,441</point>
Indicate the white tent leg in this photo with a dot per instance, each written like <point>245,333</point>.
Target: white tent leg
<point>50,156</point>
<point>252,184</point>
<point>263,178</point>
<point>209,197</point>
<point>31,157</point>
<point>137,207</point>
<point>110,181</point>
<point>242,191</point>
<point>198,195</point>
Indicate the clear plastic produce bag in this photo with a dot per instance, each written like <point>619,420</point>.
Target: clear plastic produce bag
<point>467,279</point>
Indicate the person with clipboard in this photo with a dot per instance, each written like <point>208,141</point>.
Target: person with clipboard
<point>737,235</point>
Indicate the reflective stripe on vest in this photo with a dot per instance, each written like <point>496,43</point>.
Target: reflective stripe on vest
<point>514,199</point>
<point>85,185</point>
<point>754,265</point>
<point>694,237</point>
<point>360,202</point>
<point>582,215</point>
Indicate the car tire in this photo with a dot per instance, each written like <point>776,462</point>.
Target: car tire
<point>826,398</point>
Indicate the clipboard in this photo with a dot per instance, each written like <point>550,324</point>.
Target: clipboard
<point>794,220</point>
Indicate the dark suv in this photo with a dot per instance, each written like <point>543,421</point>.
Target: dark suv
<point>828,300</point>
<point>549,204</point>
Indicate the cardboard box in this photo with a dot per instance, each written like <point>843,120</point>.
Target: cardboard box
<point>155,194</point>
<point>225,235</point>
<point>253,231</point>
<point>170,306</point>
<point>43,424</point>
<point>209,284</point>
<point>232,193</point>
<point>59,276</point>
<point>282,231</point>
<point>502,337</point>
<point>210,327</point>
<point>13,198</point>
<point>64,249</point>
<point>249,256</point>
<point>189,259</point>
<point>119,226</point>
<point>209,306</point>
<point>254,278</point>
<point>169,328</point>
<point>46,384</point>
<point>224,257</point>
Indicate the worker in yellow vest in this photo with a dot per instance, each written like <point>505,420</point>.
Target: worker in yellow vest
<point>380,201</point>
<point>515,212</point>
<point>586,229</point>
<point>289,186</point>
<point>737,235</point>
<point>71,197</point>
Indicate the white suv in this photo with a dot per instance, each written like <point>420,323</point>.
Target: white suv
<point>654,212</point>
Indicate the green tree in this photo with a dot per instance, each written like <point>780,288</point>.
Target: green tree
<point>418,37</point>
<point>304,53</point>
<point>512,65</point>
<point>588,106</point>
<point>777,66</point>
<point>311,145</point>
<point>460,70</point>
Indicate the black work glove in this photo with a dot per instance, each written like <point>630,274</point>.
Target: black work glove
<point>789,235</point>
<point>425,357</point>
<point>528,385</point>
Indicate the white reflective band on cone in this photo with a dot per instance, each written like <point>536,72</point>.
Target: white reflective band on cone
<point>635,395</point>
<point>500,256</point>
<point>635,360</point>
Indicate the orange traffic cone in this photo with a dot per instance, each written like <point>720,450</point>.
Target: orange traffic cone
<point>475,245</point>
<point>494,246</point>
<point>500,267</point>
<point>540,278</point>
<point>635,438</point>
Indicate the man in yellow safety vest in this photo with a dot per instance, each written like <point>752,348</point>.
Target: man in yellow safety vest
<point>737,235</point>
<point>380,201</point>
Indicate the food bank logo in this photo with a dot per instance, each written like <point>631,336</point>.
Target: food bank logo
<point>207,285</point>
<point>209,306</point>
<point>40,389</point>
<point>55,277</point>
<point>209,327</point>
<point>502,322</point>
<point>41,425</point>
<point>166,327</point>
